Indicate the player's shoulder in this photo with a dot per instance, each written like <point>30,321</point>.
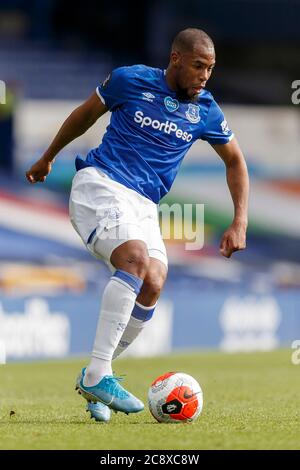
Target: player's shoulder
<point>205,97</point>
<point>137,71</point>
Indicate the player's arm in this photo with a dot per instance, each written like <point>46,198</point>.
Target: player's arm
<point>79,121</point>
<point>234,238</point>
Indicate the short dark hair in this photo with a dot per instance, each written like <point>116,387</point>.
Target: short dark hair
<point>186,39</point>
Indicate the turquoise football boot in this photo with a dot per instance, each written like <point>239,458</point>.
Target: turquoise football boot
<point>99,411</point>
<point>109,392</point>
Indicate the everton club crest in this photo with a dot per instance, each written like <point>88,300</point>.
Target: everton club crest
<point>192,113</point>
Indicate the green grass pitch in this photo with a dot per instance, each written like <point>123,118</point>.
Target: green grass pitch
<point>251,401</point>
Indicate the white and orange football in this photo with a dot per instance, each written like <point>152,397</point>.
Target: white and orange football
<point>175,397</point>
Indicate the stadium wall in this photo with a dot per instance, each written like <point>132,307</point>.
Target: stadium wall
<point>55,327</point>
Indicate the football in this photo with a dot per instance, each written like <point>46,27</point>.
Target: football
<point>175,397</point>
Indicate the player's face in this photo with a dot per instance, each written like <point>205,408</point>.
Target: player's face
<point>192,70</point>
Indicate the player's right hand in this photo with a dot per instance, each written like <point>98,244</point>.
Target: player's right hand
<point>39,171</point>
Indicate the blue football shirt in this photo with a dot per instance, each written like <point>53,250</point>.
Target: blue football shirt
<point>150,130</point>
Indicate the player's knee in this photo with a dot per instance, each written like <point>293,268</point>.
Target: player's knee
<point>138,259</point>
<point>133,258</point>
<point>154,281</point>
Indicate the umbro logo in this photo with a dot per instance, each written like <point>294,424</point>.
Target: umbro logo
<point>147,96</point>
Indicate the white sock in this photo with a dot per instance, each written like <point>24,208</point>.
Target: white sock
<point>134,327</point>
<point>117,304</point>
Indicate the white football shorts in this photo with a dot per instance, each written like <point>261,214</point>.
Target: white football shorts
<point>106,213</point>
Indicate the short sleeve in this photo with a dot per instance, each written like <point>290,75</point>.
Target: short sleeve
<point>113,89</point>
<point>216,130</point>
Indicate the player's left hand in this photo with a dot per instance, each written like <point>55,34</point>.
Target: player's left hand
<point>234,239</point>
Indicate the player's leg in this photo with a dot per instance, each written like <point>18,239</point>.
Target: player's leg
<point>131,261</point>
<point>145,304</point>
<point>99,206</point>
<point>154,279</point>
<point>140,316</point>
